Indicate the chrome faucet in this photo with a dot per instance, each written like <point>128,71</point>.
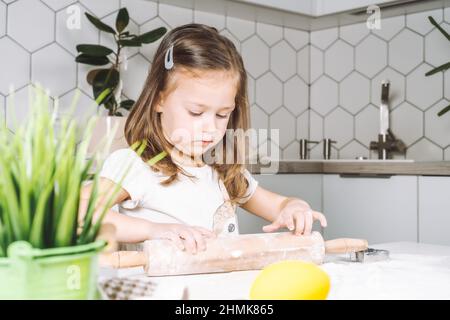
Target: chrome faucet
<point>387,142</point>
<point>304,150</point>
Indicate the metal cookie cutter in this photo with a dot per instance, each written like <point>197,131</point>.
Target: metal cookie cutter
<point>369,255</point>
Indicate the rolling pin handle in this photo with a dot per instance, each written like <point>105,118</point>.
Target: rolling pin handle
<point>123,259</point>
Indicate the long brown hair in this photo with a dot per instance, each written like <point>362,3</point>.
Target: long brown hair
<point>196,47</point>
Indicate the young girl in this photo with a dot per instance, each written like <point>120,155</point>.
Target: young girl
<point>195,91</point>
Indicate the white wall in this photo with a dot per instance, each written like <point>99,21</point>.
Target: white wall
<point>323,84</point>
<point>347,67</point>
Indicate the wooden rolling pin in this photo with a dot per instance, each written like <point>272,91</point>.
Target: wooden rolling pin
<point>231,253</point>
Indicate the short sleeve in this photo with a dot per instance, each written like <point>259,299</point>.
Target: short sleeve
<point>126,164</point>
<point>252,184</point>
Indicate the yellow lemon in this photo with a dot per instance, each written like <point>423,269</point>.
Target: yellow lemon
<point>291,280</point>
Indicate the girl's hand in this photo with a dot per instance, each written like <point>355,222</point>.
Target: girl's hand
<point>297,216</point>
<point>189,238</point>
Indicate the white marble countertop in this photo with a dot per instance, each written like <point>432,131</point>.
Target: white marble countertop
<point>414,271</point>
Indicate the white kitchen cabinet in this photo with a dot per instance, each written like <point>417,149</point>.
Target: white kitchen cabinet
<point>317,8</point>
<point>305,186</point>
<point>376,209</point>
<point>434,210</point>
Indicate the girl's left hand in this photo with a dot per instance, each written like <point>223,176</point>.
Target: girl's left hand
<point>298,217</point>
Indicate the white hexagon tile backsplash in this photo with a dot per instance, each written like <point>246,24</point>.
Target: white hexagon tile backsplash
<point>31,23</point>
<point>270,34</point>
<point>2,18</point>
<point>367,124</point>
<point>339,60</point>
<point>313,85</point>
<point>371,55</point>
<point>406,51</point>
<point>256,54</point>
<point>354,92</point>
<point>283,119</point>
<point>282,60</point>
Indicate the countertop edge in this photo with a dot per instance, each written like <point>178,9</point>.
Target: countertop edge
<point>430,168</point>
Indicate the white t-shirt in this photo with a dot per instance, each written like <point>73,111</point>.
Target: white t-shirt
<point>189,201</point>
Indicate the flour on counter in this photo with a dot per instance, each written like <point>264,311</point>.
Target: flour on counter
<point>403,276</point>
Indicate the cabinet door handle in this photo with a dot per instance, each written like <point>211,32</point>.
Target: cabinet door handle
<point>365,175</point>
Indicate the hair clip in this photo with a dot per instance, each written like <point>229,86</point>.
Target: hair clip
<point>168,59</point>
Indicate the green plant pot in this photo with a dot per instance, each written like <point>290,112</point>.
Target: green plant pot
<point>57,273</point>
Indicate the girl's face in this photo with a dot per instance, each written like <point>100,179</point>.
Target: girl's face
<point>195,115</point>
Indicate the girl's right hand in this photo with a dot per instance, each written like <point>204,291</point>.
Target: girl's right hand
<point>189,238</point>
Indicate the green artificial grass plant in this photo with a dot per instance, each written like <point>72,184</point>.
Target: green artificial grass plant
<point>42,170</point>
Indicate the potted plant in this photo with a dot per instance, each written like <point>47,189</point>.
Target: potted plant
<point>108,76</point>
<point>443,67</point>
<point>45,251</point>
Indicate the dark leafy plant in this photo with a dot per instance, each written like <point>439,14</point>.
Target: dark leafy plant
<point>108,77</point>
<point>443,67</point>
